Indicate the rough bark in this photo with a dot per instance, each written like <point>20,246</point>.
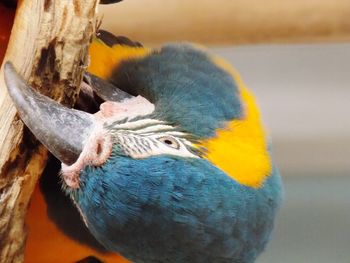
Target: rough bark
<point>48,46</point>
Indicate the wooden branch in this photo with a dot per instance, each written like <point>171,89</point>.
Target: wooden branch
<point>227,22</point>
<point>48,46</point>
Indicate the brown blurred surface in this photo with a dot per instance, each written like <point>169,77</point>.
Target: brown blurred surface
<point>225,22</point>
<point>6,21</point>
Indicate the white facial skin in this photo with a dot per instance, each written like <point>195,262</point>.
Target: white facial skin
<point>138,139</point>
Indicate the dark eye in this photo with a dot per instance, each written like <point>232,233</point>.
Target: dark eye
<point>170,141</point>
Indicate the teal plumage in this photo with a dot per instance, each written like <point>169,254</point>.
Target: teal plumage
<point>187,88</point>
<point>166,209</point>
<point>144,184</point>
<point>173,209</point>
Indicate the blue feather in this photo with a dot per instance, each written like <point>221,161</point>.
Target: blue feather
<point>185,85</point>
<point>171,209</point>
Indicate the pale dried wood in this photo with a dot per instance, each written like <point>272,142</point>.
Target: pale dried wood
<point>48,46</point>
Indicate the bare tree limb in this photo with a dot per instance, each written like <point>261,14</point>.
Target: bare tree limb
<point>48,46</point>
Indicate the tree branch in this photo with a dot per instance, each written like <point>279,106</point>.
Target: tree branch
<point>48,46</point>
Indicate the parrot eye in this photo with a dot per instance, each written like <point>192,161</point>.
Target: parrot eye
<point>170,141</point>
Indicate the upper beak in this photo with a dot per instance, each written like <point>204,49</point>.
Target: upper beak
<point>62,130</point>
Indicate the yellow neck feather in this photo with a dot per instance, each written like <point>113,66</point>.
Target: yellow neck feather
<point>104,59</point>
<point>240,149</point>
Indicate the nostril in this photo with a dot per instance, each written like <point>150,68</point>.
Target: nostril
<point>102,148</point>
<point>98,148</point>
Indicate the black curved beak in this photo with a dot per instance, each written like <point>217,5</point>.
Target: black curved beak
<point>62,130</point>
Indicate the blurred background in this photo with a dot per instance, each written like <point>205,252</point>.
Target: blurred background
<point>295,56</point>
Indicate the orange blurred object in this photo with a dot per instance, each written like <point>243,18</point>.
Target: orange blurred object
<point>6,21</point>
<point>46,243</point>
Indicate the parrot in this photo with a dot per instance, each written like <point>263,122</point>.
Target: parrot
<point>171,163</point>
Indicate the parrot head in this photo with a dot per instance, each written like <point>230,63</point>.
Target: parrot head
<point>143,171</point>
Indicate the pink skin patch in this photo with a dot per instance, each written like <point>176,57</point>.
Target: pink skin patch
<point>98,146</point>
<point>128,108</point>
<point>97,149</point>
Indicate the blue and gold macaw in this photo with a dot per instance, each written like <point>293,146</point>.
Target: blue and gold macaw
<point>174,166</point>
